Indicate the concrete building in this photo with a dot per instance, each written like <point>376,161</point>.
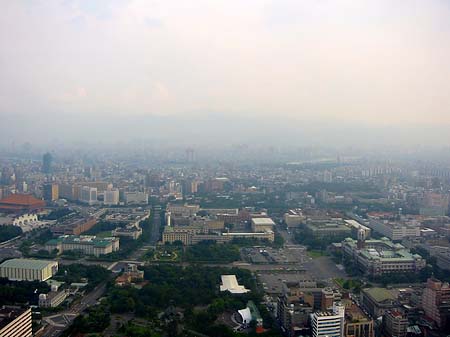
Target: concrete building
<point>294,218</point>
<point>130,231</point>
<point>436,302</point>
<point>20,203</point>
<point>111,197</point>
<point>293,311</point>
<point>74,225</point>
<point>262,224</point>
<point>88,195</point>
<point>328,323</point>
<point>15,322</point>
<point>136,198</point>
<point>394,230</point>
<point>53,299</point>
<point>89,245</point>
<point>51,192</point>
<point>378,301</point>
<point>327,229</point>
<point>377,257</point>
<point>28,269</point>
<point>357,323</point>
<point>395,323</point>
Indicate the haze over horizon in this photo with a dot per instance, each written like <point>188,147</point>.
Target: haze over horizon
<point>367,72</point>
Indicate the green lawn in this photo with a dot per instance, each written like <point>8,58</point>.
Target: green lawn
<point>103,234</point>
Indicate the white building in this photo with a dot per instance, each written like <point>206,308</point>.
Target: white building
<point>111,197</point>
<point>328,323</point>
<point>230,283</point>
<point>28,269</point>
<point>88,195</point>
<point>262,224</point>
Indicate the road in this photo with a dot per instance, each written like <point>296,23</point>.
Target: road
<point>61,321</point>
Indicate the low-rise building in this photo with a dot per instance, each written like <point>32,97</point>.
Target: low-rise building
<point>377,257</point>
<point>53,298</point>
<point>132,231</point>
<point>378,301</point>
<point>28,269</point>
<point>262,224</point>
<point>89,245</point>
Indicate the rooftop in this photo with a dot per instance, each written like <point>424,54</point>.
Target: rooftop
<point>380,294</point>
<point>26,263</point>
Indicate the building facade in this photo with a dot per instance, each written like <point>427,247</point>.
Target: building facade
<point>28,269</point>
<point>15,322</point>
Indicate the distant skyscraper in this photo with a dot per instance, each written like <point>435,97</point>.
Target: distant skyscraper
<point>47,163</point>
<point>190,155</point>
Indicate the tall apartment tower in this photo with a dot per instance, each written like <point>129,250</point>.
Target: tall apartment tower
<point>51,192</point>
<point>329,323</point>
<point>436,302</point>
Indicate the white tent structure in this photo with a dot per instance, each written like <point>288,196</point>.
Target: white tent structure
<point>246,315</point>
<point>230,283</point>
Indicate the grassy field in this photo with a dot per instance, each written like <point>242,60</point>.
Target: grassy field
<point>104,234</point>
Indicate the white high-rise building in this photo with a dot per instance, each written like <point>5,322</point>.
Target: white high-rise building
<point>329,323</point>
<point>111,197</point>
<point>88,195</point>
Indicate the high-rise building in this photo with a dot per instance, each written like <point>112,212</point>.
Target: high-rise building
<point>88,195</point>
<point>51,192</point>
<point>47,163</point>
<point>111,197</point>
<point>328,323</point>
<point>436,302</point>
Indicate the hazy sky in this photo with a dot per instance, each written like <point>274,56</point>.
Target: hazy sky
<point>379,63</point>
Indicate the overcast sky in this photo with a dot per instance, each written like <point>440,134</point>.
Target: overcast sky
<point>371,63</point>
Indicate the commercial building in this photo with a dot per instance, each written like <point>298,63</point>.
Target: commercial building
<point>28,269</point>
<point>15,322</point>
<point>89,245</point>
<point>88,195</point>
<point>395,323</point>
<point>111,197</point>
<point>436,302</point>
<point>51,192</point>
<point>329,323</point>
<point>377,257</point>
